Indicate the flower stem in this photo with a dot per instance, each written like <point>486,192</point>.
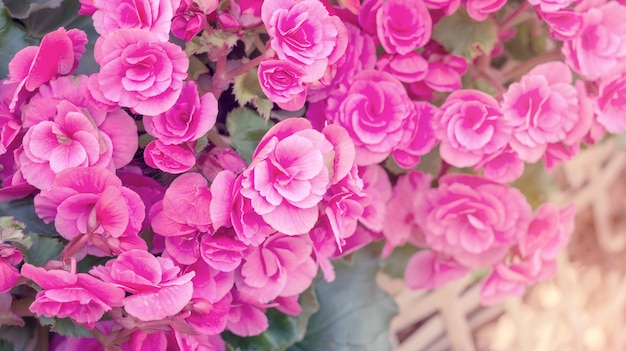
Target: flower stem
<point>248,65</point>
<point>515,17</point>
<point>521,69</point>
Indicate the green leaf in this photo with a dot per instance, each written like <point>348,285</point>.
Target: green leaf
<point>247,87</point>
<point>529,41</point>
<point>43,249</point>
<point>11,230</point>
<point>264,107</point>
<point>246,128</point>
<point>23,8</point>
<point>536,184</point>
<point>13,38</point>
<point>23,210</point>
<point>283,330</point>
<point>461,35</point>
<point>65,326</point>
<point>354,312</point>
<point>395,264</point>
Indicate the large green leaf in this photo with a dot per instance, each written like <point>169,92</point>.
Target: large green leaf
<point>283,330</point>
<point>24,8</point>
<point>246,128</point>
<point>461,35</point>
<point>24,211</point>
<point>65,326</point>
<point>43,250</point>
<point>354,312</point>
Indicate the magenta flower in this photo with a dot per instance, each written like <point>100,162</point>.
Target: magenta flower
<point>419,138</point>
<point>174,158</point>
<point>611,102</point>
<point>81,297</point>
<point>152,15</point>
<point>472,219</point>
<point>157,287</point>
<point>139,71</point>
<point>9,257</point>
<point>408,68</point>
<point>304,33</point>
<point>479,10</point>
<point>428,270</point>
<point>217,159</point>
<point>282,82</point>
<point>470,126</point>
<point>403,25</point>
<point>189,19</point>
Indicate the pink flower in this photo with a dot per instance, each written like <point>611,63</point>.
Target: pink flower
<point>249,226</point>
<point>291,170</point>
<point>504,281</point>
<point>175,158</point>
<point>472,219</point>
<point>611,102</point>
<point>564,24</point>
<point>304,33</point>
<point>543,108</point>
<point>80,297</point>
<point>470,125</point>
<point>503,167</point>
<point>152,15</point>
<point>188,120</point>
<point>157,287</point>
<point>247,315</point>
<point>377,188</point>
<point>222,250</point>
<point>479,10</point>
<point>403,25</point>
<point>10,122</point>
<point>190,18</point>
<point>408,68</point>
<point>427,270</point>
<point>444,72</point>
<point>419,138</point>
<point>57,55</point>
<point>550,5</point>
<point>93,202</point>
<point>9,257</point>
<point>602,43</point>
<point>217,159</point>
<point>139,71</point>
<point>282,82</point>
<point>281,266</point>
<point>375,110</point>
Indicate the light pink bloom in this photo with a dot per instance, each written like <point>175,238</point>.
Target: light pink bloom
<point>375,110</point>
<point>152,15</point>
<point>611,102</point>
<point>504,281</point>
<point>602,43</point>
<point>247,315</point>
<point>291,170</point>
<point>472,219</point>
<point>479,10</point>
<point>281,266</point>
<point>174,158</point>
<point>9,257</point>
<point>139,71</point>
<point>282,82</point>
<point>142,341</point>
<point>304,33</point>
<point>543,107</point>
<point>428,270</point>
<point>503,167</point>
<point>377,187</point>
<point>445,72</point>
<point>249,226</point>
<point>188,120</point>
<point>342,211</point>
<point>408,68</point>
<point>403,25</point>
<point>212,161</point>
<point>188,342</point>
<point>564,24</point>
<point>190,17</point>
<point>418,138</point>
<point>57,55</point>
<point>470,126</point>
<point>93,202</point>
<point>222,250</point>
<point>551,5</point>
<point>157,287</point>
<point>80,297</point>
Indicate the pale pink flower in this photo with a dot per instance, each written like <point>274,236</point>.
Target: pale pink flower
<point>503,167</point>
<point>445,72</point>
<point>247,315</point>
<point>174,158</point>
<point>408,68</point>
<point>93,202</point>
<point>375,110</point>
<point>250,227</point>
<point>418,138</point>
<point>611,102</point>
<point>281,266</point>
<point>428,270</point>
<point>543,107</point>
<point>342,211</point>
<point>282,82</point>
<point>152,15</point>
<point>212,161</point>
<point>377,188</point>
<point>188,120</point>
<point>472,219</point>
<point>564,24</point>
<point>157,287</point>
<point>602,43</point>
<point>9,257</point>
<point>138,71</point>
<point>291,170</point>
<point>470,126</point>
<point>479,10</point>
<point>304,33</point>
<point>222,250</point>
<point>81,297</point>
<point>403,25</point>
<point>504,281</point>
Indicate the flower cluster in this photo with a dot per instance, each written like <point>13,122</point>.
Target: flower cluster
<point>202,215</point>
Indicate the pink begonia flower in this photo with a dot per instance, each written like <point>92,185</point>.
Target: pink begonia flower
<point>212,161</point>
<point>142,341</point>
<point>564,24</point>
<point>222,250</point>
<point>408,68</point>
<point>399,225</point>
<point>550,6</point>
<point>470,126</point>
<point>543,107</point>
<point>87,7</point>
<point>342,211</point>
<point>504,281</point>
<point>367,16</point>
<point>428,270</point>
<point>281,266</point>
<point>138,71</point>
<point>241,15</point>
<point>304,33</point>
<point>247,315</point>
<point>81,297</point>
<point>375,110</point>
<point>282,82</point>
<point>377,187</point>
<point>472,219</point>
<point>288,305</point>
<point>559,152</point>
<point>10,122</point>
<point>190,18</point>
<point>445,72</point>
<point>188,342</point>
<point>611,101</point>
<point>147,188</point>
<point>250,227</point>
<point>157,287</point>
<point>602,43</point>
<point>9,257</point>
<point>188,120</point>
<point>448,6</point>
<point>479,10</point>
<point>174,158</point>
<point>403,25</point>
<point>152,15</point>
<point>14,186</point>
<point>419,137</point>
<point>57,55</point>
<point>292,167</point>
<point>503,167</point>
<point>93,202</point>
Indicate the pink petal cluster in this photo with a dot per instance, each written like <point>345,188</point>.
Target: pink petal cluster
<point>403,25</point>
<point>611,102</point>
<point>283,83</point>
<point>9,257</point>
<point>153,15</point>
